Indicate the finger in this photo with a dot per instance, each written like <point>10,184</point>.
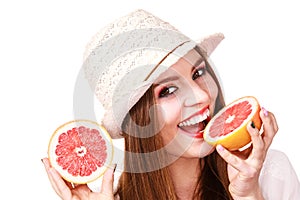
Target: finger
<point>107,182</point>
<point>58,183</point>
<point>257,141</point>
<point>244,169</point>
<point>258,146</point>
<point>47,166</point>
<point>229,157</point>
<point>70,185</point>
<point>243,152</point>
<point>265,113</point>
<point>270,126</point>
<point>62,188</point>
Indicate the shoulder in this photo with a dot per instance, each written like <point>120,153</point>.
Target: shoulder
<point>275,162</point>
<point>278,179</point>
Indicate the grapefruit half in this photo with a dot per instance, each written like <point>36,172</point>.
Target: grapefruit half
<point>80,150</point>
<point>229,126</point>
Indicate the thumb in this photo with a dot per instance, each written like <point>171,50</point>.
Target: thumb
<point>108,180</point>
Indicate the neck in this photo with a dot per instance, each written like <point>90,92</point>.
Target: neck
<point>185,185</point>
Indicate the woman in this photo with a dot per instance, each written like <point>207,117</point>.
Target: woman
<point>159,91</point>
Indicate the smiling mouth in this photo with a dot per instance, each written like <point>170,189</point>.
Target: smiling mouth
<point>195,125</point>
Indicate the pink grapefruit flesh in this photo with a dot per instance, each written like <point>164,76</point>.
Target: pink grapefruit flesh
<point>229,126</point>
<point>80,151</point>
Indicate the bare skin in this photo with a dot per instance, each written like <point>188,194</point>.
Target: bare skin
<point>65,190</point>
<point>243,167</point>
<point>244,171</point>
<point>179,105</point>
<point>185,185</point>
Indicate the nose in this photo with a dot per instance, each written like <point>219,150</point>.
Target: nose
<point>196,94</point>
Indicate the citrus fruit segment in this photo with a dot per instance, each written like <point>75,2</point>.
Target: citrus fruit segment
<point>229,126</point>
<point>80,150</point>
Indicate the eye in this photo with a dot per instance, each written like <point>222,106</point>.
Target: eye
<point>166,91</point>
<point>199,72</point>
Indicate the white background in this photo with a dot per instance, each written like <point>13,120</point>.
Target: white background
<point>42,43</point>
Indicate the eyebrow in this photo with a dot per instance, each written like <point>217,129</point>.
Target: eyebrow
<point>198,62</point>
<point>174,78</point>
<point>165,80</point>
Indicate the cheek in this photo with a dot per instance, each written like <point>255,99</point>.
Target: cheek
<point>170,115</point>
<point>170,110</point>
<point>211,87</point>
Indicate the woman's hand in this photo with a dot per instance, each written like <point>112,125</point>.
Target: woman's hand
<point>244,167</point>
<point>67,191</point>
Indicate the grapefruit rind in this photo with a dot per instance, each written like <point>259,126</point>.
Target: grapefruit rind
<point>239,137</point>
<point>68,126</point>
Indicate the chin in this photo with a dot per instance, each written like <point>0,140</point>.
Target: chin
<point>189,147</point>
<point>200,149</point>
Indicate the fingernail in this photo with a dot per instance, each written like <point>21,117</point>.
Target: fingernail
<point>252,124</point>
<point>265,111</point>
<point>115,167</point>
<point>220,147</point>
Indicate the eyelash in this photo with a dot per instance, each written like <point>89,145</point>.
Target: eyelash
<point>165,91</point>
<point>202,71</point>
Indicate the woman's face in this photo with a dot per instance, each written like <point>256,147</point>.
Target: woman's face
<point>186,94</point>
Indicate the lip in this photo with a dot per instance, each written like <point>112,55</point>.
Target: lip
<point>200,112</point>
<point>198,134</point>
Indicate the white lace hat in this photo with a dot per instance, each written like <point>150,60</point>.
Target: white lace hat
<point>124,58</point>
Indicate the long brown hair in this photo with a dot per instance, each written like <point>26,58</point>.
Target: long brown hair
<point>139,181</point>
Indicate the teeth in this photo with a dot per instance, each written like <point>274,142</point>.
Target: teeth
<point>195,120</point>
